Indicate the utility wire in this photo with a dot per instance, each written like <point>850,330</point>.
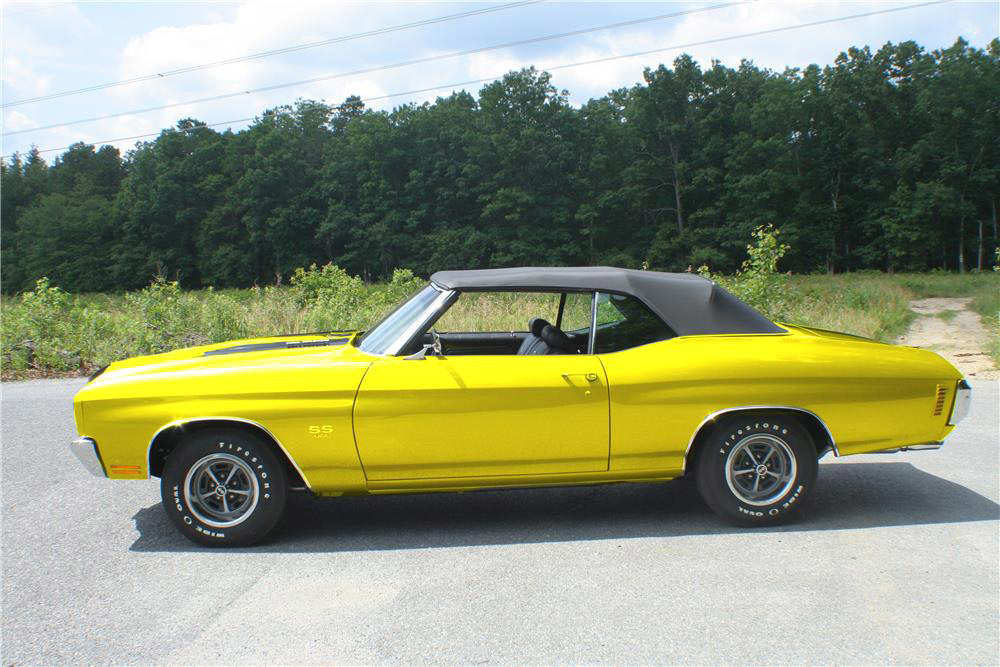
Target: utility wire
<point>758,33</point>
<point>274,52</point>
<point>379,68</point>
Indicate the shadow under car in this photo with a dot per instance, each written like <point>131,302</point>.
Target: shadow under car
<point>848,496</point>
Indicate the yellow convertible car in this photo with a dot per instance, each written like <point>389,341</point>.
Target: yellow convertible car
<point>513,378</point>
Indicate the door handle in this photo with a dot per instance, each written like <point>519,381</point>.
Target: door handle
<point>590,377</point>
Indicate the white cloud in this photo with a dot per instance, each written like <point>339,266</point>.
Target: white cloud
<point>19,75</point>
<point>15,120</point>
<point>106,46</point>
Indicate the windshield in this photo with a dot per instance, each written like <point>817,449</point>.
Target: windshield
<point>384,335</point>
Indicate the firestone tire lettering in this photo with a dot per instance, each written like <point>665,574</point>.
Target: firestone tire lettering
<point>711,472</point>
<point>271,484</point>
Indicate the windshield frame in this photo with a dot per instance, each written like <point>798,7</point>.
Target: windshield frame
<point>417,322</point>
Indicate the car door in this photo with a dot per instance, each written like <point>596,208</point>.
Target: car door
<point>475,416</point>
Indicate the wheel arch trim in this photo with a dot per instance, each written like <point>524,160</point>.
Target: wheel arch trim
<point>179,423</point>
<point>755,408</point>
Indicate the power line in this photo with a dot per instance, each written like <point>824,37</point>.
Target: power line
<point>273,52</point>
<point>379,68</point>
<point>594,61</point>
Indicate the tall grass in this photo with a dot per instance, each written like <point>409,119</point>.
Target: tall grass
<point>986,302</point>
<point>872,305</point>
<point>48,331</point>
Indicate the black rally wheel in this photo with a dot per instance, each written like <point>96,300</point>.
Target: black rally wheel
<point>757,470</point>
<point>224,487</point>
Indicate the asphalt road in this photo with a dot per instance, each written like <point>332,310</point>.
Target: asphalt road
<point>896,562</point>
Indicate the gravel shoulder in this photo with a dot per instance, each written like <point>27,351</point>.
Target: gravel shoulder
<point>895,562</point>
<point>948,327</point>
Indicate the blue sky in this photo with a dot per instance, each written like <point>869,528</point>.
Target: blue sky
<point>58,46</point>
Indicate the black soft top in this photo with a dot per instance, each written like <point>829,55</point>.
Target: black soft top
<point>688,303</point>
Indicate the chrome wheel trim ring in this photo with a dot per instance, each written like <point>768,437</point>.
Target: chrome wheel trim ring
<point>208,503</point>
<point>760,469</point>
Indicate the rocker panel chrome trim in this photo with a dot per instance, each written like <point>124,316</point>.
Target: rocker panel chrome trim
<point>744,408</point>
<point>181,422</point>
<point>920,447</point>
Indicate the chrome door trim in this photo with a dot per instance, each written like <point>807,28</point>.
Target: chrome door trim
<point>744,408</point>
<point>593,323</point>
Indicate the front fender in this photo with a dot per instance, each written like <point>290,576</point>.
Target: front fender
<point>305,403</point>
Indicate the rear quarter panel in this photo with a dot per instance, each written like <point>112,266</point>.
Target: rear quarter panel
<point>870,395</point>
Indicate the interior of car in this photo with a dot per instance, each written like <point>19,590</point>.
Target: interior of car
<point>480,323</point>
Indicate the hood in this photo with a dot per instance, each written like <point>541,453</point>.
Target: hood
<point>249,352</point>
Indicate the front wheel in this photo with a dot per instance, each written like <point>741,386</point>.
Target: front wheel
<point>757,470</point>
<point>224,488</point>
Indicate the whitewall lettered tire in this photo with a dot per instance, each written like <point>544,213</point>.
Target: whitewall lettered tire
<point>224,487</point>
<point>757,469</point>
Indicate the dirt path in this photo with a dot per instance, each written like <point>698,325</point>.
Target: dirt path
<point>959,338</point>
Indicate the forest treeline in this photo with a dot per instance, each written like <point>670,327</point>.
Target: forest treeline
<point>884,160</point>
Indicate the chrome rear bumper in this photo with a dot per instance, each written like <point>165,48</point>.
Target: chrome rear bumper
<point>963,399</point>
<point>85,450</point>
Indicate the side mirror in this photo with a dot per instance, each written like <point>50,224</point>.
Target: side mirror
<point>422,354</point>
<point>433,349</point>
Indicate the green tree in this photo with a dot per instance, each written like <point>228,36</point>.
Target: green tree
<point>162,202</point>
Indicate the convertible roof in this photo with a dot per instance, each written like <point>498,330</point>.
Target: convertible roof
<point>688,303</point>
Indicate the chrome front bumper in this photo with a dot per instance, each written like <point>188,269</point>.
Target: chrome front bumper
<point>963,399</point>
<point>85,449</point>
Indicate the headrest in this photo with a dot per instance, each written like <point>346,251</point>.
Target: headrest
<point>536,325</point>
<point>555,338</point>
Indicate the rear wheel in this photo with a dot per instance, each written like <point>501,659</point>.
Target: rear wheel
<point>757,470</point>
<point>224,488</point>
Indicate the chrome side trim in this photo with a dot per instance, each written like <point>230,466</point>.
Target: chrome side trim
<point>181,422</point>
<point>921,447</point>
<point>962,403</point>
<point>744,408</point>
<point>85,450</point>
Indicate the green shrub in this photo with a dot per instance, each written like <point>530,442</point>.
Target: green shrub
<point>333,298</point>
<point>162,318</point>
<point>758,281</point>
<point>41,328</point>
<point>314,284</point>
<point>224,317</point>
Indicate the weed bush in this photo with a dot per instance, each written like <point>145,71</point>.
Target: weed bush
<point>758,281</point>
<point>47,330</point>
<point>39,332</point>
